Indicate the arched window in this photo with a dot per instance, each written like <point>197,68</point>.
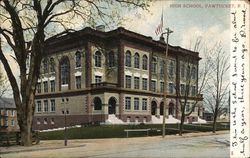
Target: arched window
<point>64,70</point>
<point>45,66</point>
<point>97,103</point>
<point>193,73</point>
<point>154,65</point>
<point>128,59</point>
<point>171,68</point>
<point>52,65</point>
<point>144,62</point>
<point>137,61</point>
<point>78,59</point>
<point>162,67</point>
<point>98,59</point>
<point>188,72</point>
<point>111,59</point>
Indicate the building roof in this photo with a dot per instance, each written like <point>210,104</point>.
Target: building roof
<point>7,103</point>
<point>119,33</point>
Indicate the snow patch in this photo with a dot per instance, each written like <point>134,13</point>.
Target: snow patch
<point>60,129</point>
<point>112,119</point>
<point>170,120</point>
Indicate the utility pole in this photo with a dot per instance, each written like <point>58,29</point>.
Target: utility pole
<point>168,32</point>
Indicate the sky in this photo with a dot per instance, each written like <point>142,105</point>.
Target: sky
<point>213,25</point>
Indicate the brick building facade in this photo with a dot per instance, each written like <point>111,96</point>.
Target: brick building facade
<point>90,74</point>
<point>8,115</point>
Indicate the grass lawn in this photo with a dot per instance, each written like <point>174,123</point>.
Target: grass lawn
<point>117,131</point>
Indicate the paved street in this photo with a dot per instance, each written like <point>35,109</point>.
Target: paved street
<point>200,146</point>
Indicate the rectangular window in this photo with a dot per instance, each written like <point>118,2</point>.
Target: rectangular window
<point>153,85</point>
<point>52,86</point>
<point>182,89</point>
<point>12,122</point>
<point>144,104</point>
<point>144,84</point>
<point>6,123</point>
<point>38,106</point>
<point>136,103</point>
<point>45,106</point>
<point>128,81</point>
<point>78,82</point>
<point>52,106</point>
<point>162,87</point>
<point>187,107</point>
<point>127,103</point>
<point>171,67</point>
<point>13,113</point>
<point>45,66</point>
<point>136,82</point>
<point>182,70</point>
<point>6,112</point>
<point>187,90</point>
<point>171,88</point>
<point>193,91</point>
<point>98,79</point>
<point>45,86</point>
<point>38,87</point>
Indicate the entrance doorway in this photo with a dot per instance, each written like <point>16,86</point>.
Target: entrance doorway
<point>171,109</point>
<point>153,108</point>
<point>112,105</point>
<point>161,108</point>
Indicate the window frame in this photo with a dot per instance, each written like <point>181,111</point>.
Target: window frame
<point>78,59</point>
<point>128,81</point>
<point>127,103</point>
<point>45,106</point>
<point>153,86</point>
<point>144,84</point>
<point>137,61</point>
<point>144,62</point>
<point>144,104</point>
<point>52,86</point>
<point>78,82</point>
<point>136,82</point>
<point>136,103</point>
<point>128,61</point>
<point>52,105</point>
<point>98,59</point>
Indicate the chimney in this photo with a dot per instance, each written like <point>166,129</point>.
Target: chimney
<point>100,28</point>
<point>162,39</point>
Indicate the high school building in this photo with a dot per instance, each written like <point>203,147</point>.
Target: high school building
<point>91,74</point>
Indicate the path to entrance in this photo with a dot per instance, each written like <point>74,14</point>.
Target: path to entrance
<point>192,145</point>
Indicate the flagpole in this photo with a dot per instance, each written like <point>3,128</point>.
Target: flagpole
<point>165,85</point>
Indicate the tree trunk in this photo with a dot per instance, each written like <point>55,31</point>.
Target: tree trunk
<point>26,134</point>
<point>26,122</point>
<point>182,122</point>
<point>214,122</point>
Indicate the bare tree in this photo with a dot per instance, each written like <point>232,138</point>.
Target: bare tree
<point>218,84</point>
<point>3,84</point>
<point>25,24</point>
<point>189,78</point>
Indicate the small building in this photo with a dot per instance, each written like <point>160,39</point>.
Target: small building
<point>8,115</point>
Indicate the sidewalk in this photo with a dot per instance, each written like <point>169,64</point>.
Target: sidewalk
<point>75,143</point>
